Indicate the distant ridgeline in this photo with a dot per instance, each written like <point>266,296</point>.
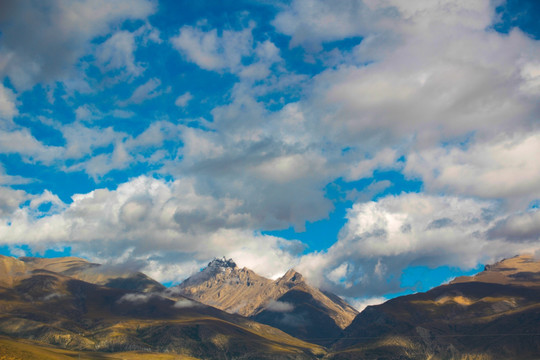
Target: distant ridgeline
<point>227,312</point>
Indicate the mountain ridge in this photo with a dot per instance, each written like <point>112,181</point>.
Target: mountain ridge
<point>491,315</point>
<point>288,303</point>
<point>59,310</point>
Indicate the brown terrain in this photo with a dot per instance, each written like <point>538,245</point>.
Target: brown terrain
<point>54,309</point>
<point>77,268</point>
<point>492,315</point>
<point>287,303</point>
<point>47,311</point>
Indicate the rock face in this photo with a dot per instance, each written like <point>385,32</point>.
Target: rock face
<point>287,303</point>
<point>39,301</point>
<point>492,315</point>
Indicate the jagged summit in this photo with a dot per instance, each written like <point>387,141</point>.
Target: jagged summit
<point>222,263</point>
<point>292,276</point>
<point>287,303</point>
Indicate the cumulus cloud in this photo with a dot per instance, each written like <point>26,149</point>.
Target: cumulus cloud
<point>312,22</point>
<point>22,142</point>
<point>258,158</point>
<point>227,50</point>
<point>521,227</point>
<point>211,51</point>
<point>427,84</point>
<point>10,200</point>
<point>117,53</point>
<point>65,31</point>
<point>156,221</point>
<point>92,149</point>
<point>427,91</point>
<point>183,99</point>
<point>8,108</point>
<point>381,239</point>
<point>499,168</point>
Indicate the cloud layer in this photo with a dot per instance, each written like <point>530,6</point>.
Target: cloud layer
<point>196,136</point>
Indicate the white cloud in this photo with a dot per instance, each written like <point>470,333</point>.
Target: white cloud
<point>6,179</point>
<point>117,53</point>
<point>183,99</point>
<point>27,146</point>
<point>279,306</point>
<point>167,222</point>
<point>311,22</point>
<point>500,168</point>
<point>211,51</point>
<point>137,298</point>
<point>82,140</point>
<point>185,303</point>
<point>361,303</point>
<point>99,165</point>
<point>384,159</point>
<point>10,200</point>
<point>146,91</point>
<point>425,74</point>
<point>520,227</point>
<point>428,84</point>
<point>230,50</point>
<point>87,113</point>
<point>381,239</point>
<point>65,29</point>
<point>8,109</point>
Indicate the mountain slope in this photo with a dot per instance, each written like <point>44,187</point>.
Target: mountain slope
<point>492,315</point>
<point>81,269</point>
<point>287,303</point>
<point>59,310</point>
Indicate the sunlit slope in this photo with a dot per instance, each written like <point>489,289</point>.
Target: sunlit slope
<point>12,349</point>
<point>77,268</point>
<point>288,303</point>
<point>72,314</point>
<point>467,319</point>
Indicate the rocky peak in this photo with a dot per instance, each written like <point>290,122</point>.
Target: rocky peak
<point>222,263</point>
<point>291,277</point>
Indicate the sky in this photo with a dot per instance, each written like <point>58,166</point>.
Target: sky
<point>379,147</point>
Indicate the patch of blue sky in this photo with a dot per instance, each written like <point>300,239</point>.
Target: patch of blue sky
<point>26,250</point>
<point>320,235</point>
<point>63,184</point>
<point>423,278</point>
<point>519,13</point>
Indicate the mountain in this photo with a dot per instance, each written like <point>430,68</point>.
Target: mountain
<point>39,302</point>
<point>76,268</point>
<point>492,315</point>
<point>287,303</point>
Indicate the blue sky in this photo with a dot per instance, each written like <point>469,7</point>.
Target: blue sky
<point>379,147</point>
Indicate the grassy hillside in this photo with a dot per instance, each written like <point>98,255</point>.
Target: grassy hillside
<point>11,349</point>
<point>467,319</point>
<point>58,310</point>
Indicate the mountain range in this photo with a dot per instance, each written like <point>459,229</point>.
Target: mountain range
<point>287,303</point>
<point>66,308</point>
